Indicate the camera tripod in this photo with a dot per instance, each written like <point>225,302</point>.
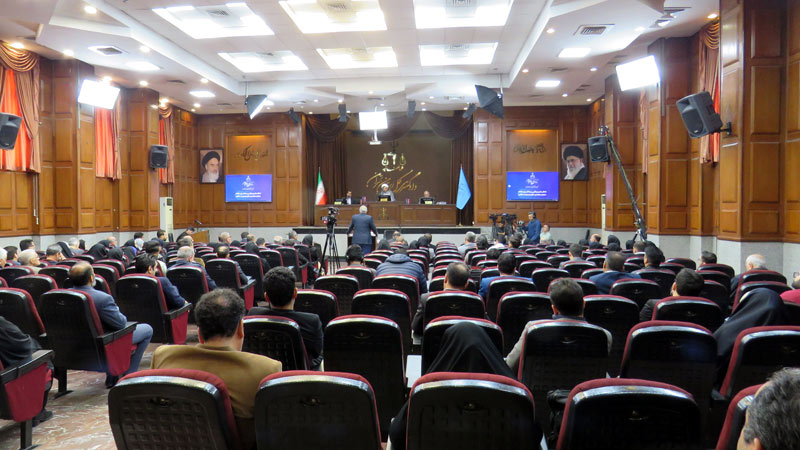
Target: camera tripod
<point>330,245</point>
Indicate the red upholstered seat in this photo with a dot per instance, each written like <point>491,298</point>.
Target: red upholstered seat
<point>515,309</point>
<point>344,287</point>
<point>22,390</point>
<point>696,310</point>
<point>225,274</point>
<point>615,314</point>
<point>191,283</point>
<point>453,303</point>
<point>734,418</point>
<point>543,277</point>
<point>319,302</point>
<point>637,290</point>
<point>403,283</point>
<point>141,299</point>
<point>389,303</point>
<point>364,275</point>
<point>757,353</point>
<point>35,285</point>
<point>16,306</point>
<point>278,338</point>
<point>502,285</point>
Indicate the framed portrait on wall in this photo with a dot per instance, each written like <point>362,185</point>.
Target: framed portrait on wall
<point>211,165</point>
<point>573,162</point>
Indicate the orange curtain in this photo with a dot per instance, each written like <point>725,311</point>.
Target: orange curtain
<point>25,65</point>
<point>709,81</point>
<point>104,143</point>
<point>166,137</point>
<point>18,159</point>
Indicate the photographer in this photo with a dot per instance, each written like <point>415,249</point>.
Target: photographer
<point>361,225</point>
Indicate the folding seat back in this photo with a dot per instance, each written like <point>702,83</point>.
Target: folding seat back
<point>208,257</point>
<point>251,266</point>
<point>597,260</point>
<point>11,273</point>
<point>724,268</point>
<point>17,306</point>
<point>169,408</point>
<point>436,284</point>
<point>576,268</point>
<point>110,274</point>
<point>533,250</point>
<point>439,271</point>
<point>85,257</point>
<point>527,268</point>
<point>501,286</point>
<point>487,264</point>
<point>635,260</point>
<point>544,255</point>
<point>663,277</point>
<point>225,274</point>
<point>718,294</point>
<point>191,283</point>
<point>762,275</point>
<point>423,254</point>
<point>292,261</point>
<point>678,353</point>
<point>434,333</point>
<point>750,286</point>
<point>476,256</point>
<point>757,353</point>
<point>273,257</point>
<point>278,338</point>
<point>141,299</point>
<point>714,275</point>
<point>372,263</point>
<point>344,287</point>
<point>372,347</point>
<point>119,265</point>
<point>303,250</point>
<point>675,268</point>
<point>489,272</point>
<point>588,286</point>
<point>792,310</point>
<point>35,285</point>
<point>502,408</point>
<point>403,283</point>
<point>637,290</point>
<point>364,275</point>
<point>388,303</point>
<point>695,310</point>
<point>735,417</point>
<point>453,303</point>
<point>520,258</point>
<point>543,277</point>
<point>589,273</point>
<point>630,267</point>
<point>516,309</point>
<point>553,248</point>
<point>617,315</point>
<point>69,262</point>
<point>642,414</point>
<point>319,302</point>
<point>377,256</point>
<point>685,262</point>
<point>22,389</point>
<point>556,260</point>
<point>304,409</point>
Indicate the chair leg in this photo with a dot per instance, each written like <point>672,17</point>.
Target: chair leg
<point>26,435</point>
<point>61,376</point>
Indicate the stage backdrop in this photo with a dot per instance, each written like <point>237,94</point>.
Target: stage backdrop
<point>416,162</point>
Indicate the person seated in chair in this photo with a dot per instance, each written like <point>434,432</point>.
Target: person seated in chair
<point>426,197</point>
<point>753,262</point>
<point>653,257</point>
<point>706,257</point>
<point>354,256</point>
<point>82,277</point>
<point>566,298</point>
<point>29,258</point>
<point>185,257</point>
<point>455,279</point>
<point>613,270</point>
<point>401,264</point>
<point>224,252</point>
<point>220,331</point>
<point>17,348</point>
<point>385,192</point>
<point>771,419</point>
<point>688,283</point>
<point>575,252</point>
<point>146,263</point>
<point>53,255</point>
<point>281,292</point>
<point>506,265</point>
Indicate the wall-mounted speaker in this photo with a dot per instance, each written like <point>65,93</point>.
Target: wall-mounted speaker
<point>598,149</point>
<point>9,129</point>
<point>697,112</point>
<point>158,157</point>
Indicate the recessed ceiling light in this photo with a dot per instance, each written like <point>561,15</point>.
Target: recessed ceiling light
<point>663,22</point>
<point>340,100</point>
<point>311,112</point>
<point>143,83</point>
<point>456,54</point>
<point>713,16</point>
<point>457,14</point>
<point>142,66</point>
<point>163,100</point>
<point>269,107</point>
<point>144,49</point>
<point>196,105</point>
<point>574,52</point>
<point>193,110</point>
<point>638,73</point>
<point>316,101</point>
<point>106,79</point>
<point>358,58</point>
<point>17,44</point>
<point>430,97</point>
<point>548,83</point>
<point>204,80</point>
<point>371,92</point>
<point>593,69</point>
<point>382,104</point>
<point>331,17</point>
<point>525,70</point>
<point>90,9</point>
<point>69,53</point>
<point>215,21</point>
<point>465,108</point>
<point>348,111</point>
<point>202,94</point>
<point>424,109</point>
<point>250,62</point>
<point>154,106</point>
<point>564,94</point>
<point>423,103</point>
<point>588,99</point>
<point>550,30</point>
<point>639,29</point>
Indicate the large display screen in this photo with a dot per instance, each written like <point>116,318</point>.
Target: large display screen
<point>248,188</point>
<point>532,186</point>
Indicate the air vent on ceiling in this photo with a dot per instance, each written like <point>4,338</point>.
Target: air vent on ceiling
<point>375,99</point>
<point>456,50</point>
<point>460,8</point>
<point>270,58</point>
<point>453,98</point>
<point>579,90</point>
<point>338,10</point>
<point>107,50</point>
<point>593,30</point>
<point>556,69</point>
<point>224,105</point>
<point>300,102</point>
<point>361,54</point>
<point>619,56</point>
<point>535,95</point>
<point>176,82</point>
<point>674,10</point>
<point>217,12</point>
<point>585,85</point>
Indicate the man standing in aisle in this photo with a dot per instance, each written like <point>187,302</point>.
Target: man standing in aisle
<point>534,228</point>
<point>361,225</point>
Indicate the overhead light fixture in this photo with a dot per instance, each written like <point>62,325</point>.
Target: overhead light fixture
<point>202,94</point>
<point>713,16</point>
<point>143,83</point>
<point>341,100</point>
<point>294,116</point>
<point>98,94</point>
<point>460,13</point>
<point>328,16</point>
<point>565,94</point>
<point>277,61</point>
<point>311,112</point>
<point>193,110</point>
<point>196,105</point>
<point>424,109</point>
<point>663,22</point>
<point>574,52</point>
<point>639,29</point>
<point>548,83</point>
<point>638,73</point>
<point>144,49</point>
<point>154,106</point>
<point>255,103</point>
<point>422,104</point>
<point>142,66</point>
<point>469,111</point>
<point>107,79</point>
<point>490,100</point>
<point>358,58</point>
<point>343,112</point>
<point>525,70</point>
<point>17,44</point>
<point>215,21</point>
<point>69,53</point>
<point>430,97</point>
<point>382,104</point>
<point>371,92</point>
<point>593,69</point>
<point>457,54</point>
<point>588,99</point>
<point>204,80</point>
<point>550,30</point>
<point>316,100</point>
<point>89,9</point>
<point>373,120</point>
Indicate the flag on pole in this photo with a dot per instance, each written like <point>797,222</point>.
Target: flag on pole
<point>321,199</point>
<point>464,193</point>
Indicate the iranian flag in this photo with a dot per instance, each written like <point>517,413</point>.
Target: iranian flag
<point>321,199</point>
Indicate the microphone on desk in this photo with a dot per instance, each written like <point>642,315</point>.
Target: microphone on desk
<point>198,222</point>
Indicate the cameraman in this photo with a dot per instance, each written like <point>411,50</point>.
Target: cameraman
<point>361,225</point>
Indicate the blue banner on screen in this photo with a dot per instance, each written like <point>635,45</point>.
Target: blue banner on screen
<point>532,186</point>
<point>248,188</point>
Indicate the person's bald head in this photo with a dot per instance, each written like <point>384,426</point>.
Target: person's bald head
<point>614,261</point>
<point>81,274</point>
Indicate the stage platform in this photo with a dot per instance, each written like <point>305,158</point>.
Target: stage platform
<point>413,230</point>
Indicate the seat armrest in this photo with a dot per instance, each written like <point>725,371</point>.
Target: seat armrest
<point>38,358</point>
<point>114,335</point>
<point>250,284</point>
<point>173,313</point>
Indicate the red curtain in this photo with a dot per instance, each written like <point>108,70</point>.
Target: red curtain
<point>104,143</point>
<point>25,68</point>
<point>166,137</point>
<point>18,159</point>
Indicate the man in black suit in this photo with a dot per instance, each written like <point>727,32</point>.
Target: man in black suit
<point>224,252</point>
<point>348,199</point>
<point>612,271</point>
<point>361,225</point>
<point>189,231</point>
<point>426,196</point>
<point>146,263</point>
<point>186,258</point>
<point>279,284</point>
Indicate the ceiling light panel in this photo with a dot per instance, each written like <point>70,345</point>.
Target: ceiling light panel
<point>142,66</point>
<point>456,54</point>
<point>358,58</point>
<point>202,94</point>
<point>548,83</point>
<point>574,52</point>
<point>461,13</point>
<point>251,62</point>
<point>205,22</point>
<point>333,16</point>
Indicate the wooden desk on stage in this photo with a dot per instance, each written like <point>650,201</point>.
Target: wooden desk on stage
<point>200,236</point>
<point>392,214</point>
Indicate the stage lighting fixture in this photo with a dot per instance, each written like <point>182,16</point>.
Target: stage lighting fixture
<point>469,111</point>
<point>638,73</point>
<point>255,103</point>
<point>9,129</point>
<point>373,120</point>
<point>490,100</point>
<point>295,117</point>
<point>343,113</point>
<point>412,105</point>
<point>98,94</point>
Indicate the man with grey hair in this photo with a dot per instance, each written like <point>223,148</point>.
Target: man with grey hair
<point>363,228</point>
<point>30,258</point>
<point>75,245</point>
<point>185,257</point>
<point>277,240</point>
<point>3,256</point>
<point>771,419</point>
<point>224,239</point>
<point>753,262</point>
<point>53,254</point>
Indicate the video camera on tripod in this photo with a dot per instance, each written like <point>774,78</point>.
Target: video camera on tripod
<point>330,219</point>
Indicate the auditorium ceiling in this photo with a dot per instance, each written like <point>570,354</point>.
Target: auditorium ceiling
<point>208,55</point>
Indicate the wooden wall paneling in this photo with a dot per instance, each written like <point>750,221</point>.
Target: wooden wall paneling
<point>144,184</point>
<point>65,111</point>
<point>791,162</point>
<point>45,200</point>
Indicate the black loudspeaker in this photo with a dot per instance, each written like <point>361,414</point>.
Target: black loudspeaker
<point>294,116</point>
<point>158,156</point>
<point>412,105</point>
<point>490,100</point>
<point>343,112</point>
<point>697,112</point>
<point>9,129</point>
<point>598,149</point>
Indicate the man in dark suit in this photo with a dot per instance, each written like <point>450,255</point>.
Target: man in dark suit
<point>280,288</point>
<point>348,199</point>
<point>223,251</point>
<point>186,258</point>
<point>753,262</point>
<point>506,265</point>
<point>146,264</point>
<point>612,271</point>
<point>82,277</point>
<point>188,232</point>
<point>361,225</point>
<point>131,242</point>
<point>161,237</point>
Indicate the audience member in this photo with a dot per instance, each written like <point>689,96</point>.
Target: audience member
<point>188,232</point>
<point>688,283</point>
<point>612,272</point>
<point>146,263</point>
<point>354,256</point>
<point>223,251</point>
<point>26,244</point>
<point>221,333</point>
<point>382,245</point>
<point>277,240</point>
<point>100,250</point>
<point>613,247</point>
<point>29,258</point>
<point>469,243</point>
<point>74,246</point>
<point>612,239</point>
<point>545,237</point>
<point>112,241</point>
<point>161,237</point>
<point>154,248</point>
<point>3,256</point>
<point>533,228</point>
<point>506,265</point>
<point>185,257</point>
<point>281,292</point>
<point>261,242</point>
<point>515,241</point>
<point>653,257</point>
<point>53,254</point>
<point>753,262</point>
<point>639,246</point>
<point>363,229</point>
<point>131,242</point>
<point>224,238</point>
<point>456,278</point>
<point>12,256</point>
<point>401,264</point>
<point>771,419</point>
<point>561,243</point>
<point>482,242</point>
<point>16,348</point>
<point>594,242</point>
<point>82,277</point>
<point>707,257</point>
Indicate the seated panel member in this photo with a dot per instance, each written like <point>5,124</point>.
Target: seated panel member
<point>426,199</point>
<point>348,199</point>
<point>385,193</point>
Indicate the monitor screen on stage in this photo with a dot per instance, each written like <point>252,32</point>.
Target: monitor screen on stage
<point>532,186</point>
<point>248,188</point>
